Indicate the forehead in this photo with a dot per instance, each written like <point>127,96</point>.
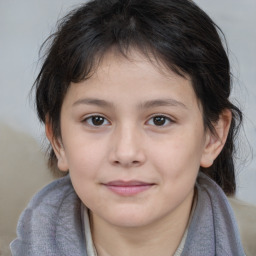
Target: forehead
<point>136,58</point>
<point>134,76</point>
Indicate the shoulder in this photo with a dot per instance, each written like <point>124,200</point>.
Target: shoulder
<point>54,196</point>
<point>52,212</point>
<point>246,219</point>
<point>53,193</point>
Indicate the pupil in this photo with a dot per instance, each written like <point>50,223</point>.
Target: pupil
<point>159,120</point>
<point>97,120</point>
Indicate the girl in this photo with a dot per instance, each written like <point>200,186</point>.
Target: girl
<point>134,96</point>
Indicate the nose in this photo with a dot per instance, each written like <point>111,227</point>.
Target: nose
<point>127,147</point>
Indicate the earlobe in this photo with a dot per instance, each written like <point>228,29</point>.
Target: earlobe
<point>57,147</point>
<point>215,142</point>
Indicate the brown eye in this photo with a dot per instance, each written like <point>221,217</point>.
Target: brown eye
<point>159,120</point>
<point>97,121</point>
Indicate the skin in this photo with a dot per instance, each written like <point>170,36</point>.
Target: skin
<point>129,144</point>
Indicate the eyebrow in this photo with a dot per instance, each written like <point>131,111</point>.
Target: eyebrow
<point>162,103</point>
<point>92,101</point>
<point>144,105</point>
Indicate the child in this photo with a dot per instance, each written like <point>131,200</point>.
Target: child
<point>134,95</point>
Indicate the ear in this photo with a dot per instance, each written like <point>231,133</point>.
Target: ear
<point>214,143</point>
<point>57,147</point>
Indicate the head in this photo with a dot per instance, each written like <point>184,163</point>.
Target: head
<point>173,35</point>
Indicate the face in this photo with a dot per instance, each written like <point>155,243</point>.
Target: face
<point>133,140</point>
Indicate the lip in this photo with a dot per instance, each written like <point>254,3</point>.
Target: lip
<point>128,188</point>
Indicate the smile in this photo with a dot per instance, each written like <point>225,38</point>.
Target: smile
<point>128,188</point>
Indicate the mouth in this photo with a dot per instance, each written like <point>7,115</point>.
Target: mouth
<point>128,188</point>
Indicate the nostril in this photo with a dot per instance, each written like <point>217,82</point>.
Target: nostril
<point>132,163</point>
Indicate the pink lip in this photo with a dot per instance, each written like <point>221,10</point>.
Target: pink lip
<point>128,188</point>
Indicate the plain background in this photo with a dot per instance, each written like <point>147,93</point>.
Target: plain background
<point>24,25</point>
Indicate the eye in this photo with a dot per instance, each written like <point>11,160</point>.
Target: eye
<point>159,120</point>
<point>96,121</point>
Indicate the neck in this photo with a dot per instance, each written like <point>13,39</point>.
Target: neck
<point>160,238</point>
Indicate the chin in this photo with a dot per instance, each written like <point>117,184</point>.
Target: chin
<point>128,218</point>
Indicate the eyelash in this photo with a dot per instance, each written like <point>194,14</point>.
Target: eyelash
<point>89,120</point>
<point>102,120</point>
<point>163,117</point>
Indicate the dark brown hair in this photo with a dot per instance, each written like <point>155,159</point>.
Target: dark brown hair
<point>176,32</point>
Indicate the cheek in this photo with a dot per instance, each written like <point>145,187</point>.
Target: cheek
<point>179,156</point>
<point>85,165</point>
<point>85,158</point>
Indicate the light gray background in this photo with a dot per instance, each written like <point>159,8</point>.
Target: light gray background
<point>25,24</point>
